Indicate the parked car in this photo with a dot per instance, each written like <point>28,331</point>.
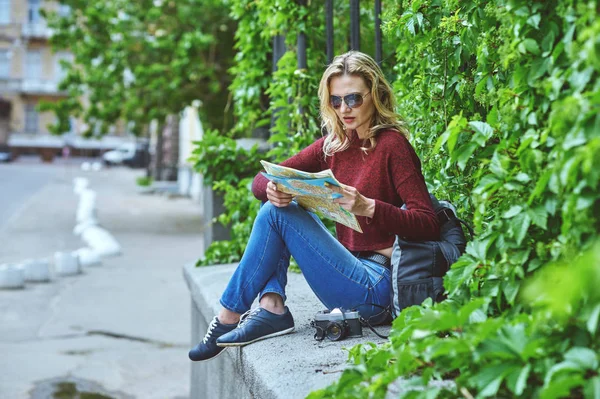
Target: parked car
<point>119,155</point>
<point>140,158</point>
<point>5,153</point>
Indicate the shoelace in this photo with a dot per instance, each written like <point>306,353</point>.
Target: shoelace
<point>211,327</point>
<point>245,318</point>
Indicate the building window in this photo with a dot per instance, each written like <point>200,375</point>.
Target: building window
<point>5,11</point>
<point>34,11</point>
<point>4,63</point>
<point>31,119</point>
<point>33,64</point>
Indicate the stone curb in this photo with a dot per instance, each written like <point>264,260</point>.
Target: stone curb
<point>287,367</point>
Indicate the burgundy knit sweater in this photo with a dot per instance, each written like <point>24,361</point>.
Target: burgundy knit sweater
<point>390,174</point>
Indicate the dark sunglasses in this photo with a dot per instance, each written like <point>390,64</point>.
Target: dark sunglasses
<point>353,100</point>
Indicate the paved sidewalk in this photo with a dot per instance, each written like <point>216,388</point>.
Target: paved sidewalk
<point>121,329</point>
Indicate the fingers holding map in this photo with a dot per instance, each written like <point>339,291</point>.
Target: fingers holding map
<point>311,192</point>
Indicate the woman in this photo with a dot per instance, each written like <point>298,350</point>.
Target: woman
<point>367,150</point>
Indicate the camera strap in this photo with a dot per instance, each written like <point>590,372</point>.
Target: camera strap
<point>365,322</point>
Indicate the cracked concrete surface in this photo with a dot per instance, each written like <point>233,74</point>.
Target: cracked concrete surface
<point>122,326</point>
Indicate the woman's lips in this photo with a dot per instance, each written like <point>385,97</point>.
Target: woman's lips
<point>348,120</point>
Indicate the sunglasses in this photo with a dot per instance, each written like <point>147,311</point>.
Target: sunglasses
<point>353,100</point>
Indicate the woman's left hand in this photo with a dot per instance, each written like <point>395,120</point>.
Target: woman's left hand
<point>353,201</point>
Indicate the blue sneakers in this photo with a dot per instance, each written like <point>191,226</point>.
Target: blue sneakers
<point>207,348</point>
<point>258,324</point>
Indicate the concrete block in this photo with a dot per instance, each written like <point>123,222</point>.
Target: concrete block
<point>88,257</point>
<point>86,211</point>
<point>66,264</point>
<point>79,184</point>
<point>36,270</point>
<point>101,241</point>
<point>11,277</point>
<point>80,227</point>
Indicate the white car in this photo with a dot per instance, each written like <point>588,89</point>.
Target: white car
<point>119,154</point>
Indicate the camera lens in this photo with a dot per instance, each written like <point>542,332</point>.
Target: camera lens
<point>335,331</point>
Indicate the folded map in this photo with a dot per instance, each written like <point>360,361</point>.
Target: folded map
<point>311,192</point>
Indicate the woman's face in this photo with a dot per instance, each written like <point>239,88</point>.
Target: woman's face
<point>359,117</point>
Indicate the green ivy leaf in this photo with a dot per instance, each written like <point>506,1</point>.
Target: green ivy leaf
<point>529,45</point>
<point>579,79</point>
<point>585,357</point>
<point>522,380</point>
<point>539,216</point>
<point>513,211</point>
<point>493,116</point>
<point>488,380</point>
<point>463,154</point>
<point>538,68</point>
<point>592,322</point>
<point>482,128</point>
<point>520,225</point>
<point>592,388</point>
<point>517,380</point>
<point>510,289</point>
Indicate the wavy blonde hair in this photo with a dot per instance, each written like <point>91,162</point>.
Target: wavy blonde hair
<point>355,63</point>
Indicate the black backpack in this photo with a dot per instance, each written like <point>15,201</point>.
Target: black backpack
<point>418,267</point>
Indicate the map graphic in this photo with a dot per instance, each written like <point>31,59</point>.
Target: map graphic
<point>311,192</point>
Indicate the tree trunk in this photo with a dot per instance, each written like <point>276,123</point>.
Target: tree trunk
<point>158,153</point>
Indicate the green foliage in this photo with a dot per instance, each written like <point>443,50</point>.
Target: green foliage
<point>295,106</point>
<point>246,207</point>
<point>144,181</point>
<point>503,100</point>
<point>250,69</point>
<point>291,97</point>
<point>142,60</point>
<point>220,159</point>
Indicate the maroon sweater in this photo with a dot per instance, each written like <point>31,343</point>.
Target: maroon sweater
<point>390,174</point>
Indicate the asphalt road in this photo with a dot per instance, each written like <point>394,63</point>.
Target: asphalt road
<point>121,329</point>
<point>18,183</point>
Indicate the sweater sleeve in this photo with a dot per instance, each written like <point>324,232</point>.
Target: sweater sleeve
<point>418,221</point>
<point>310,159</point>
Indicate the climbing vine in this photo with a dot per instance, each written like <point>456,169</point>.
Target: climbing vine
<point>503,98</point>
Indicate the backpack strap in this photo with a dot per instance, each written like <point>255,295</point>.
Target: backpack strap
<point>469,228</point>
<point>445,212</point>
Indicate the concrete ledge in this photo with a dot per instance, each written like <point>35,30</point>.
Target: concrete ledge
<point>287,367</point>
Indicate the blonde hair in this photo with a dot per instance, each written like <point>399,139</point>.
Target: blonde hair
<point>355,63</point>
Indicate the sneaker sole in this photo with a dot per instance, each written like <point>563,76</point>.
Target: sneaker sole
<point>276,334</point>
<point>210,358</point>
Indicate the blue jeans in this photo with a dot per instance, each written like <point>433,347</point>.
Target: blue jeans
<point>337,277</point>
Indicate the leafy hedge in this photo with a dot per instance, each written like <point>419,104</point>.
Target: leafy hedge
<point>503,100</point>
<point>512,86</point>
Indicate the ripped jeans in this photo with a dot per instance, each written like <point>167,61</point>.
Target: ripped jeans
<point>337,277</point>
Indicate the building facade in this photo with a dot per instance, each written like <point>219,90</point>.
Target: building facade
<point>29,73</point>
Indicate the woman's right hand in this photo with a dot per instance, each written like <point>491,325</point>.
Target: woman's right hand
<point>276,197</point>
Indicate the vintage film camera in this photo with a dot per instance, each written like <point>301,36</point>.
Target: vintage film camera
<point>337,324</point>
